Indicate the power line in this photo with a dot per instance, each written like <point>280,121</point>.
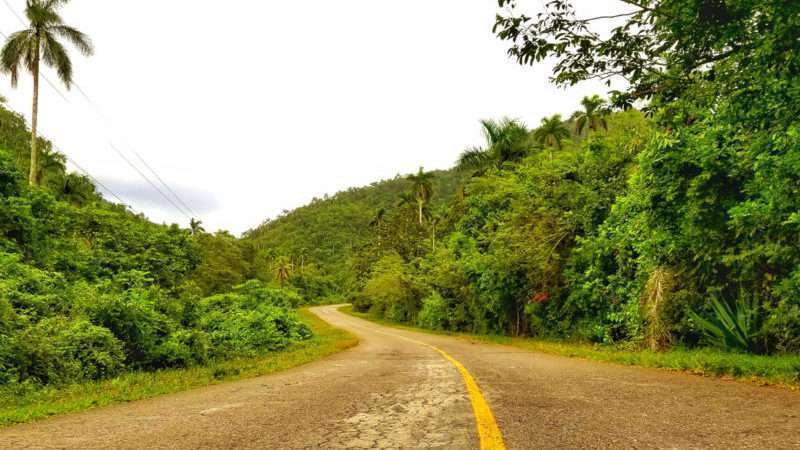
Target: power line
<point>97,182</point>
<point>164,183</point>
<point>141,174</point>
<point>98,112</point>
<point>75,163</point>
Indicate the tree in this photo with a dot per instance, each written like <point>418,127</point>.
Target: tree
<point>506,141</point>
<point>378,222</point>
<point>26,49</point>
<point>660,50</point>
<point>593,116</point>
<point>422,189</point>
<point>196,226</point>
<point>76,189</point>
<point>283,270</point>
<point>551,132</point>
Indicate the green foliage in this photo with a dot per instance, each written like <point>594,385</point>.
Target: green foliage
<point>89,291</point>
<point>734,327</point>
<point>55,351</point>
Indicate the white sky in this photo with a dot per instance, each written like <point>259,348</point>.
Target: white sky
<point>250,107</point>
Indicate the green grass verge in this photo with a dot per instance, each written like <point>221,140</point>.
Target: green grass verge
<point>21,406</point>
<point>772,370</point>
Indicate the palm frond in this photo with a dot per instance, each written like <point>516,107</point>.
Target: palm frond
<point>80,40</point>
<point>55,55</point>
<point>473,159</point>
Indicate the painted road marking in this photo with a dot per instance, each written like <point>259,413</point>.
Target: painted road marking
<point>490,435</point>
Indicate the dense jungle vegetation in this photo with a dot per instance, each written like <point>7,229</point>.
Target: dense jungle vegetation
<point>667,216</point>
<point>89,290</point>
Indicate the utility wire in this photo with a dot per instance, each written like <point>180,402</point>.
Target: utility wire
<point>75,163</point>
<point>97,182</point>
<point>133,166</point>
<point>100,114</point>
<point>138,156</point>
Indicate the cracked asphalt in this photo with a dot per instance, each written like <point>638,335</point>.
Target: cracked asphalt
<point>390,392</point>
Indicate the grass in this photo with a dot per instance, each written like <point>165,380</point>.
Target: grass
<point>25,406</point>
<point>767,370</point>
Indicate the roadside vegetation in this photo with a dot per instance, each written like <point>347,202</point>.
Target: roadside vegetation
<point>659,221</point>
<point>782,370</point>
<point>25,405</point>
<point>663,217</point>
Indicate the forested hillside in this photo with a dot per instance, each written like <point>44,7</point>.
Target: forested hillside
<point>89,290</point>
<point>674,226</point>
<point>317,242</point>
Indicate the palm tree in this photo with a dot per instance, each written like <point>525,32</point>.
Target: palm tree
<point>406,199</point>
<point>593,116</point>
<point>283,270</point>
<point>551,132</point>
<point>26,49</point>
<point>51,164</point>
<point>506,141</point>
<point>76,189</point>
<point>422,190</point>
<point>435,218</point>
<point>196,226</point>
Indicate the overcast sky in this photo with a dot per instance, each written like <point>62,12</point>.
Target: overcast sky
<point>246,108</point>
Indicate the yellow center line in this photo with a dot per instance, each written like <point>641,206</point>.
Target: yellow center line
<point>490,435</point>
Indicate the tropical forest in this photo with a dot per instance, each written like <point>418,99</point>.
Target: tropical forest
<point>658,220</point>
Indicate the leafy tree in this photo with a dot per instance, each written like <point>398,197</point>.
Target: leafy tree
<point>551,132</point>
<point>28,48</point>
<point>593,116</point>
<point>506,141</point>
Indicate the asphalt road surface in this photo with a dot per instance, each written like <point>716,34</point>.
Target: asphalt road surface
<point>398,389</point>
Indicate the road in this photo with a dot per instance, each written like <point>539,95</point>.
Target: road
<point>398,389</point>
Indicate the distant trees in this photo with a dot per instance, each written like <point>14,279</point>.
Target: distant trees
<point>551,132</point>
<point>506,141</point>
<point>593,116</point>
<point>26,49</point>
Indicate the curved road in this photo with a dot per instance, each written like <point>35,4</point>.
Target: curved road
<point>393,391</point>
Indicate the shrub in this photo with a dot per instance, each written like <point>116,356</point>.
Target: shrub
<point>183,348</point>
<point>434,313</point>
<point>240,332</point>
<point>56,351</point>
<point>132,317</point>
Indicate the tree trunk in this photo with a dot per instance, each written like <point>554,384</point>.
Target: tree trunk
<point>420,212</point>
<point>33,177</point>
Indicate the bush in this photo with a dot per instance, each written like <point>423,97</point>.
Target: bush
<point>183,348</point>
<point>133,319</point>
<point>56,351</point>
<point>241,332</point>
<point>434,313</point>
<point>390,293</point>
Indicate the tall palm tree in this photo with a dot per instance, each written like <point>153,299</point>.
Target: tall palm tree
<point>422,189</point>
<point>593,116</point>
<point>506,141</point>
<point>26,49</point>
<point>551,132</point>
